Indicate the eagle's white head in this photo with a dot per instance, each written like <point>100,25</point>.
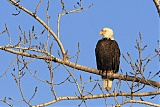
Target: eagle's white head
<point>107,33</point>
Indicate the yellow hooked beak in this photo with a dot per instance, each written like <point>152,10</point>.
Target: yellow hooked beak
<point>101,32</point>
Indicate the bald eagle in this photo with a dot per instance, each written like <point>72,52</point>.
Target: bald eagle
<point>107,56</point>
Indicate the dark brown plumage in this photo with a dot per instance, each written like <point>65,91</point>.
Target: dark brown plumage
<point>107,57</point>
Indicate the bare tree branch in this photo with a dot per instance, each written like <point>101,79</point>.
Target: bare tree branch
<point>157,3</point>
<point>98,96</point>
<point>83,68</point>
<point>138,101</point>
<point>40,21</point>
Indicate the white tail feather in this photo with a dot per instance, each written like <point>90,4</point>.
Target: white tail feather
<point>107,83</point>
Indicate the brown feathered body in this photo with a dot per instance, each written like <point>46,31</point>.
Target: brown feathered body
<point>108,59</point>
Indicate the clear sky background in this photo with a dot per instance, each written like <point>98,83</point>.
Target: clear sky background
<point>127,18</point>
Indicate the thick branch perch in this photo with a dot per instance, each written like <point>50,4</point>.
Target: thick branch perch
<point>98,96</point>
<point>84,68</point>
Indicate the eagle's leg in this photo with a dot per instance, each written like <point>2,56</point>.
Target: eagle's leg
<point>107,83</point>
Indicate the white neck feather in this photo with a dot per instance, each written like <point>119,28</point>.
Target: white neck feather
<point>109,37</point>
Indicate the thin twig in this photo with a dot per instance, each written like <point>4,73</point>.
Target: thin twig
<point>8,67</point>
<point>37,6</point>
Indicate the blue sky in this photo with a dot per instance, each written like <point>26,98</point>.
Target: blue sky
<point>127,18</point>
